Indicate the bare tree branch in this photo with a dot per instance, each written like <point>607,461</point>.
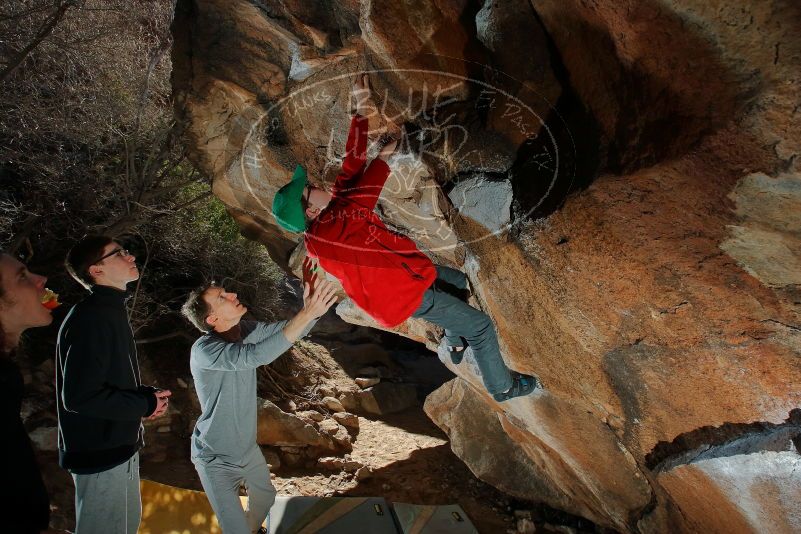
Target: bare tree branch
<point>135,217</point>
<point>12,16</point>
<point>141,275</point>
<point>155,58</point>
<point>161,191</point>
<point>46,30</point>
<point>202,196</point>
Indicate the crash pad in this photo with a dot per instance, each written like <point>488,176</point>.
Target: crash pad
<point>438,519</point>
<point>331,515</point>
<point>170,510</point>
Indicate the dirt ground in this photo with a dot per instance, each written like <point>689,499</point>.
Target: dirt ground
<point>410,461</point>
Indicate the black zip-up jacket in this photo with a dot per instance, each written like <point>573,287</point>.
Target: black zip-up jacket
<point>24,505</point>
<point>100,398</point>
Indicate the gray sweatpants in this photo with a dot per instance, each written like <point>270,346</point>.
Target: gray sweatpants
<point>221,480</point>
<point>459,319</point>
<point>109,501</point>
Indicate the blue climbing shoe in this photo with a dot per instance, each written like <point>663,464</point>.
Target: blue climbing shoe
<point>521,385</point>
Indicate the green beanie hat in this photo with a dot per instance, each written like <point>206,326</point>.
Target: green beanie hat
<point>287,208</point>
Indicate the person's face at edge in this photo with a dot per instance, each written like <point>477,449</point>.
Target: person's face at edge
<point>21,302</point>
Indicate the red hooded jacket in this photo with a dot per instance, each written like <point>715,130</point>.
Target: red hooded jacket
<point>381,270</point>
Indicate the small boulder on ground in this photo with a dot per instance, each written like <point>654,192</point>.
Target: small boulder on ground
<point>278,428</point>
<point>340,464</point>
<point>272,458</point>
<point>363,473</point>
<point>333,404</point>
<point>387,398</point>
<point>366,382</point>
<point>347,419</point>
<point>338,433</point>
<point>311,415</point>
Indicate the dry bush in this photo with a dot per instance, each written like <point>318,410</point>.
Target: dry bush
<point>84,82</point>
<point>88,144</point>
<point>79,110</point>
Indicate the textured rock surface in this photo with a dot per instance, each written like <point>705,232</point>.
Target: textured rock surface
<point>381,399</point>
<point>660,304</point>
<point>767,237</point>
<point>280,429</point>
<point>531,448</point>
<point>486,202</point>
<point>749,493</point>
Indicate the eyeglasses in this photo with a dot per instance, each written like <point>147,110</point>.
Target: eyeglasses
<point>123,253</point>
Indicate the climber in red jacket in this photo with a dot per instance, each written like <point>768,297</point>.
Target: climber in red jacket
<point>382,271</point>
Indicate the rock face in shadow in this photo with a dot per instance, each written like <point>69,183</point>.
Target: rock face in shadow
<point>659,300</point>
<point>540,444</point>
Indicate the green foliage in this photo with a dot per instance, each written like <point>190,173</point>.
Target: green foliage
<point>210,216</point>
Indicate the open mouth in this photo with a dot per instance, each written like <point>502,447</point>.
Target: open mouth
<point>50,299</point>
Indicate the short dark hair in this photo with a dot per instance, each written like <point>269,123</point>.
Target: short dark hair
<point>83,255</point>
<point>196,309</point>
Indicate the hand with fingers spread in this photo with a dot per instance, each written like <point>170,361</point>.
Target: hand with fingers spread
<point>318,296</point>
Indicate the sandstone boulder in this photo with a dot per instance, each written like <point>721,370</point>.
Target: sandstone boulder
<point>381,399</point>
<point>657,296</point>
<point>333,404</point>
<point>540,451</point>
<point>365,383</point>
<point>280,429</point>
<point>745,493</point>
<point>343,464</point>
<point>337,432</point>
<point>487,202</point>
<point>416,44</point>
<point>347,420</point>
<point>311,415</point>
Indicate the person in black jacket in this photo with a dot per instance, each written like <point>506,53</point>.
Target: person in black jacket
<point>24,504</point>
<point>100,398</point>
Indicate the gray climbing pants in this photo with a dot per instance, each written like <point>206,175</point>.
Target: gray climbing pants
<point>109,501</point>
<point>459,320</point>
<point>222,478</point>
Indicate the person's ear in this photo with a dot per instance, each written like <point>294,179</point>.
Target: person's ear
<point>211,319</point>
<point>95,270</point>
